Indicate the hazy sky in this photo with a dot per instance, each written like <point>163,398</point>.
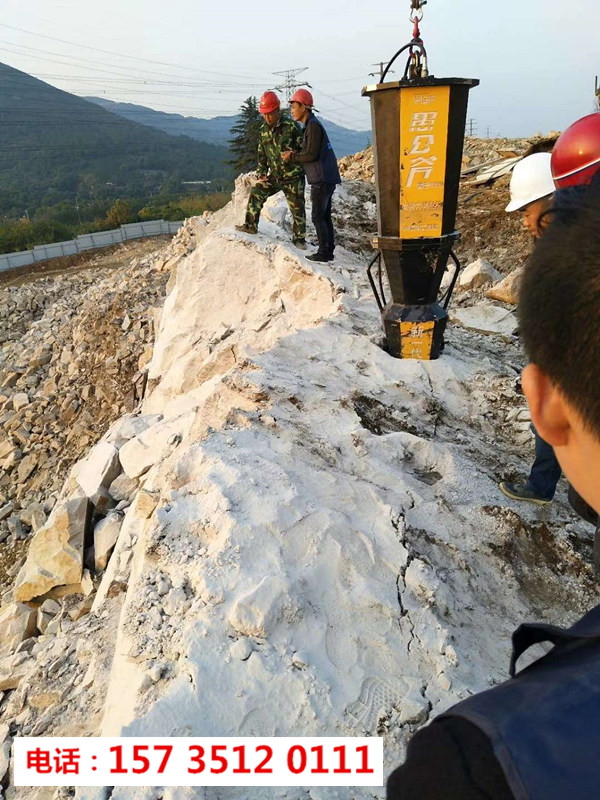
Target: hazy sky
<point>536,60</point>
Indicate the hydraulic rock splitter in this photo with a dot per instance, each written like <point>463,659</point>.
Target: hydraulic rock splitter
<point>419,129</point>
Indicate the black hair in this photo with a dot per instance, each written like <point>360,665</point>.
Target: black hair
<point>559,307</point>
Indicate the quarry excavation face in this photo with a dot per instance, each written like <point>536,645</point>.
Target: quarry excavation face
<point>293,534</point>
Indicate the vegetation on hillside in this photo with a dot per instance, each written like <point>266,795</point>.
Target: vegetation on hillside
<point>57,148</point>
<point>244,143</point>
<point>61,222</point>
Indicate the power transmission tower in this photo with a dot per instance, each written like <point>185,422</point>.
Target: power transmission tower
<point>289,83</point>
<point>489,132</point>
<point>381,66</point>
<point>471,127</point>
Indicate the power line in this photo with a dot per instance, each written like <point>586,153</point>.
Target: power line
<point>471,127</point>
<point>290,84</point>
<point>121,55</point>
<point>381,65</point>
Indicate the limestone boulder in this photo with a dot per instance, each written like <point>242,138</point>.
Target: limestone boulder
<point>46,613</point>
<point>13,669</point>
<point>145,450</point>
<point>4,750</point>
<point>123,488</point>
<point>17,623</point>
<point>99,469</point>
<point>20,400</point>
<point>507,290</point>
<point>129,427</point>
<point>486,318</point>
<point>106,534</point>
<point>55,556</point>
<point>479,273</point>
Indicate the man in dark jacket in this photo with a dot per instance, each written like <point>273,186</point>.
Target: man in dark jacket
<point>278,134</point>
<point>537,736</point>
<point>322,173</point>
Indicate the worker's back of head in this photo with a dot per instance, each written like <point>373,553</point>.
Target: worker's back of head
<point>560,326</point>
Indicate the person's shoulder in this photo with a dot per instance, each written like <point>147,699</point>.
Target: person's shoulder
<point>289,123</point>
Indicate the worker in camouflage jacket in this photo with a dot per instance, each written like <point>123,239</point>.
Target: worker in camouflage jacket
<point>277,135</point>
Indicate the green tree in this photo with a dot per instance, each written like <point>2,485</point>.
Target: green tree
<point>244,143</point>
<point>119,213</point>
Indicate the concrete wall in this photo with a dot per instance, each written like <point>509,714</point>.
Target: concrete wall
<point>88,241</point>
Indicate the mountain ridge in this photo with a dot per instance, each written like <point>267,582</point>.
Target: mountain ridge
<point>217,130</point>
<point>54,145</point>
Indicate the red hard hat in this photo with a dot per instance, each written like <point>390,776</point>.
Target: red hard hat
<point>268,103</point>
<point>576,154</point>
<point>303,96</point>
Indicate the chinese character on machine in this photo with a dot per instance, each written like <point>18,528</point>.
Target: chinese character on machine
<point>423,122</point>
<point>421,166</point>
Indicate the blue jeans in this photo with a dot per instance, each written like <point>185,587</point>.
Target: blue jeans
<point>321,195</point>
<point>546,471</point>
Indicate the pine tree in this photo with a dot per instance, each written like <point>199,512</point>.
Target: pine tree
<point>244,143</point>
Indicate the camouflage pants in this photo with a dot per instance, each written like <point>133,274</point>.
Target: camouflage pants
<point>294,194</point>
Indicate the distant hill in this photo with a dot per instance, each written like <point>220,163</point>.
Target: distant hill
<point>217,130</point>
<point>54,145</point>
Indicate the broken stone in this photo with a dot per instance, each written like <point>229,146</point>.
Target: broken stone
<point>4,751</point>
<point>16,528</point>
<point>145,503</point>
<point>46,613</point>
<point>17,623</point>
<point>11,676</point>
<point>486,319</point>
<point>55,555</point>
<point>6,510</point>
<point>129,427</point>
<point>81,609</point>
<point>20,400</point>
<point>85,587</point>
<point>26,467</point>
<point>123,488</point>
<point>6,448</point>
<point>44,700</point>
<point>479,273</point>
<point>507,290</point>
<point>99,469</point>
<point>106,534</point>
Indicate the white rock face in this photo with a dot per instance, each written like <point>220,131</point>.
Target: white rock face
<point>479,273</point>
<point>150,446</point>
<point>257,612</point>
<point>318,545</point>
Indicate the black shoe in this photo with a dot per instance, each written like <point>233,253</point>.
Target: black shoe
<point>319,258</point>
<point>522,491</point>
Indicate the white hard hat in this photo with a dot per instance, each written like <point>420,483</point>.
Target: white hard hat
<point>531,180</point>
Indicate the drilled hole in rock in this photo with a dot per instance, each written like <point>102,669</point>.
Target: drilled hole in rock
<point>381,419</point>
<point>430,477</point>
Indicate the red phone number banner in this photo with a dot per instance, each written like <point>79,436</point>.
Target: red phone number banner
<point>183,761</point>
